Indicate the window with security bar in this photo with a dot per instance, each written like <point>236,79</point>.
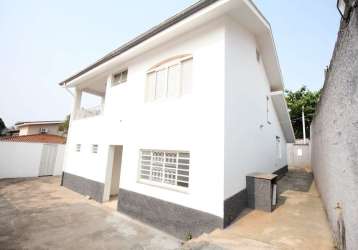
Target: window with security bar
<point>165,167</point>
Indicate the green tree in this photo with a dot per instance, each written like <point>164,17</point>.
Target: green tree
<point>295,101</point>
<point>64,126</point>
<point>2,126</point>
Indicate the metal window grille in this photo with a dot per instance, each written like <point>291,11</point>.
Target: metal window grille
<point>165,167</point>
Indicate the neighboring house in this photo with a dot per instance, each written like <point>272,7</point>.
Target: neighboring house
<point>185,112</point>
<point>43,138</point>
<point>39,127</point>
<point>334,133</point>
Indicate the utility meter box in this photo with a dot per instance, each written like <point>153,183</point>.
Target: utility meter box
<point>262,191</point>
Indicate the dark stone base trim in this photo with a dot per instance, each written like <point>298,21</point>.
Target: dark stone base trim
<point>234,205</point>
<point>281,172</point>
<point>83,186</point>
<point>175,219</point>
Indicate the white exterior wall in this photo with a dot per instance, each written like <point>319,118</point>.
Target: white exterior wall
<point>87,132</point>
<point>194,122</point>
<point>22,159</point>
<point>248,148</point>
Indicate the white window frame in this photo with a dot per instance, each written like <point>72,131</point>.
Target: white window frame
<point>121,81</point>
<point>162,184</point>
<point>78,147</point>
<point>95,148</point>
<point>166,66</point>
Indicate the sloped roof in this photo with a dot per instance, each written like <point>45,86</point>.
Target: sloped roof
<point>29,123</point>
<point>41,138</point>
<point>145,36</point>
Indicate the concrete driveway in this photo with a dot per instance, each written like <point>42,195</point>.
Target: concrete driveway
<point>299,222</point>
<point>38,213</point>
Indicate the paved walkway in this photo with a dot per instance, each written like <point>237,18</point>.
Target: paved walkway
<point>299,222</point>
<point>39,214</point>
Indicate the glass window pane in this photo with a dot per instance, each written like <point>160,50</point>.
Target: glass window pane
<point>187,76</point>
<point>150,87</point>
<point>161,84</point>
<point>124,76</point>
<point>173,81</point>
<point>163,167</point>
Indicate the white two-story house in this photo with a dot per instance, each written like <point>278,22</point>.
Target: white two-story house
<point>185,111</point>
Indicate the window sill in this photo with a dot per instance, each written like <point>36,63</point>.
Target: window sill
<point>164,186</point>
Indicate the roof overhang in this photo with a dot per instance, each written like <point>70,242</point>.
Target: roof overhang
<point>198,14</point>
<point>22,124</point>
<point>279,102</point>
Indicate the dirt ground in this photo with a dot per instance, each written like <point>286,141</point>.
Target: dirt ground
<point>37,213</point>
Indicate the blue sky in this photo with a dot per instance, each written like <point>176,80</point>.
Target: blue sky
<point>43,42</point>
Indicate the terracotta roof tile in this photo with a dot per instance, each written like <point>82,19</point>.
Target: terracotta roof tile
<point>42,138</point>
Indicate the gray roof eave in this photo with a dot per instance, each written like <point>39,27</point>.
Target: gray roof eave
<point>145,36</point>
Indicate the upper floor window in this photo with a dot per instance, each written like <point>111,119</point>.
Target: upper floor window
<point>120,77</point>
<point>172,78</point>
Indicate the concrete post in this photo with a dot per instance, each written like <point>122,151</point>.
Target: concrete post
<point>108,90</point>
<point>77,103</point>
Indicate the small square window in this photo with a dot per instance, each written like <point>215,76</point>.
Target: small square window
<point>95,148</point>
<point>120,77</point>
<point>78,147</point>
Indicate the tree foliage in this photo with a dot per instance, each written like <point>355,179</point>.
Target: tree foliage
<point>64,126</point>
<point>2,126</point>
<point>295,101</point>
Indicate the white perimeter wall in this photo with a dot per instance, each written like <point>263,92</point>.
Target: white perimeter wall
<point>248,148</point>
<point>22,159</point>
<point>299,155</point>
<point>192,123</point>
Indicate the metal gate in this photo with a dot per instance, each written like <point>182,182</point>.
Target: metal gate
<point>48,159</point>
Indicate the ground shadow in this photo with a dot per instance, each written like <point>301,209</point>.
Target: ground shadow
<point>298,180</point>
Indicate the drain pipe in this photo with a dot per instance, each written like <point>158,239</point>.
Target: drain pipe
<point>69,91</point>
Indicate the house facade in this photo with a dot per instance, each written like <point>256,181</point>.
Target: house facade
<point>185,111</point>
<point>39,127</point>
